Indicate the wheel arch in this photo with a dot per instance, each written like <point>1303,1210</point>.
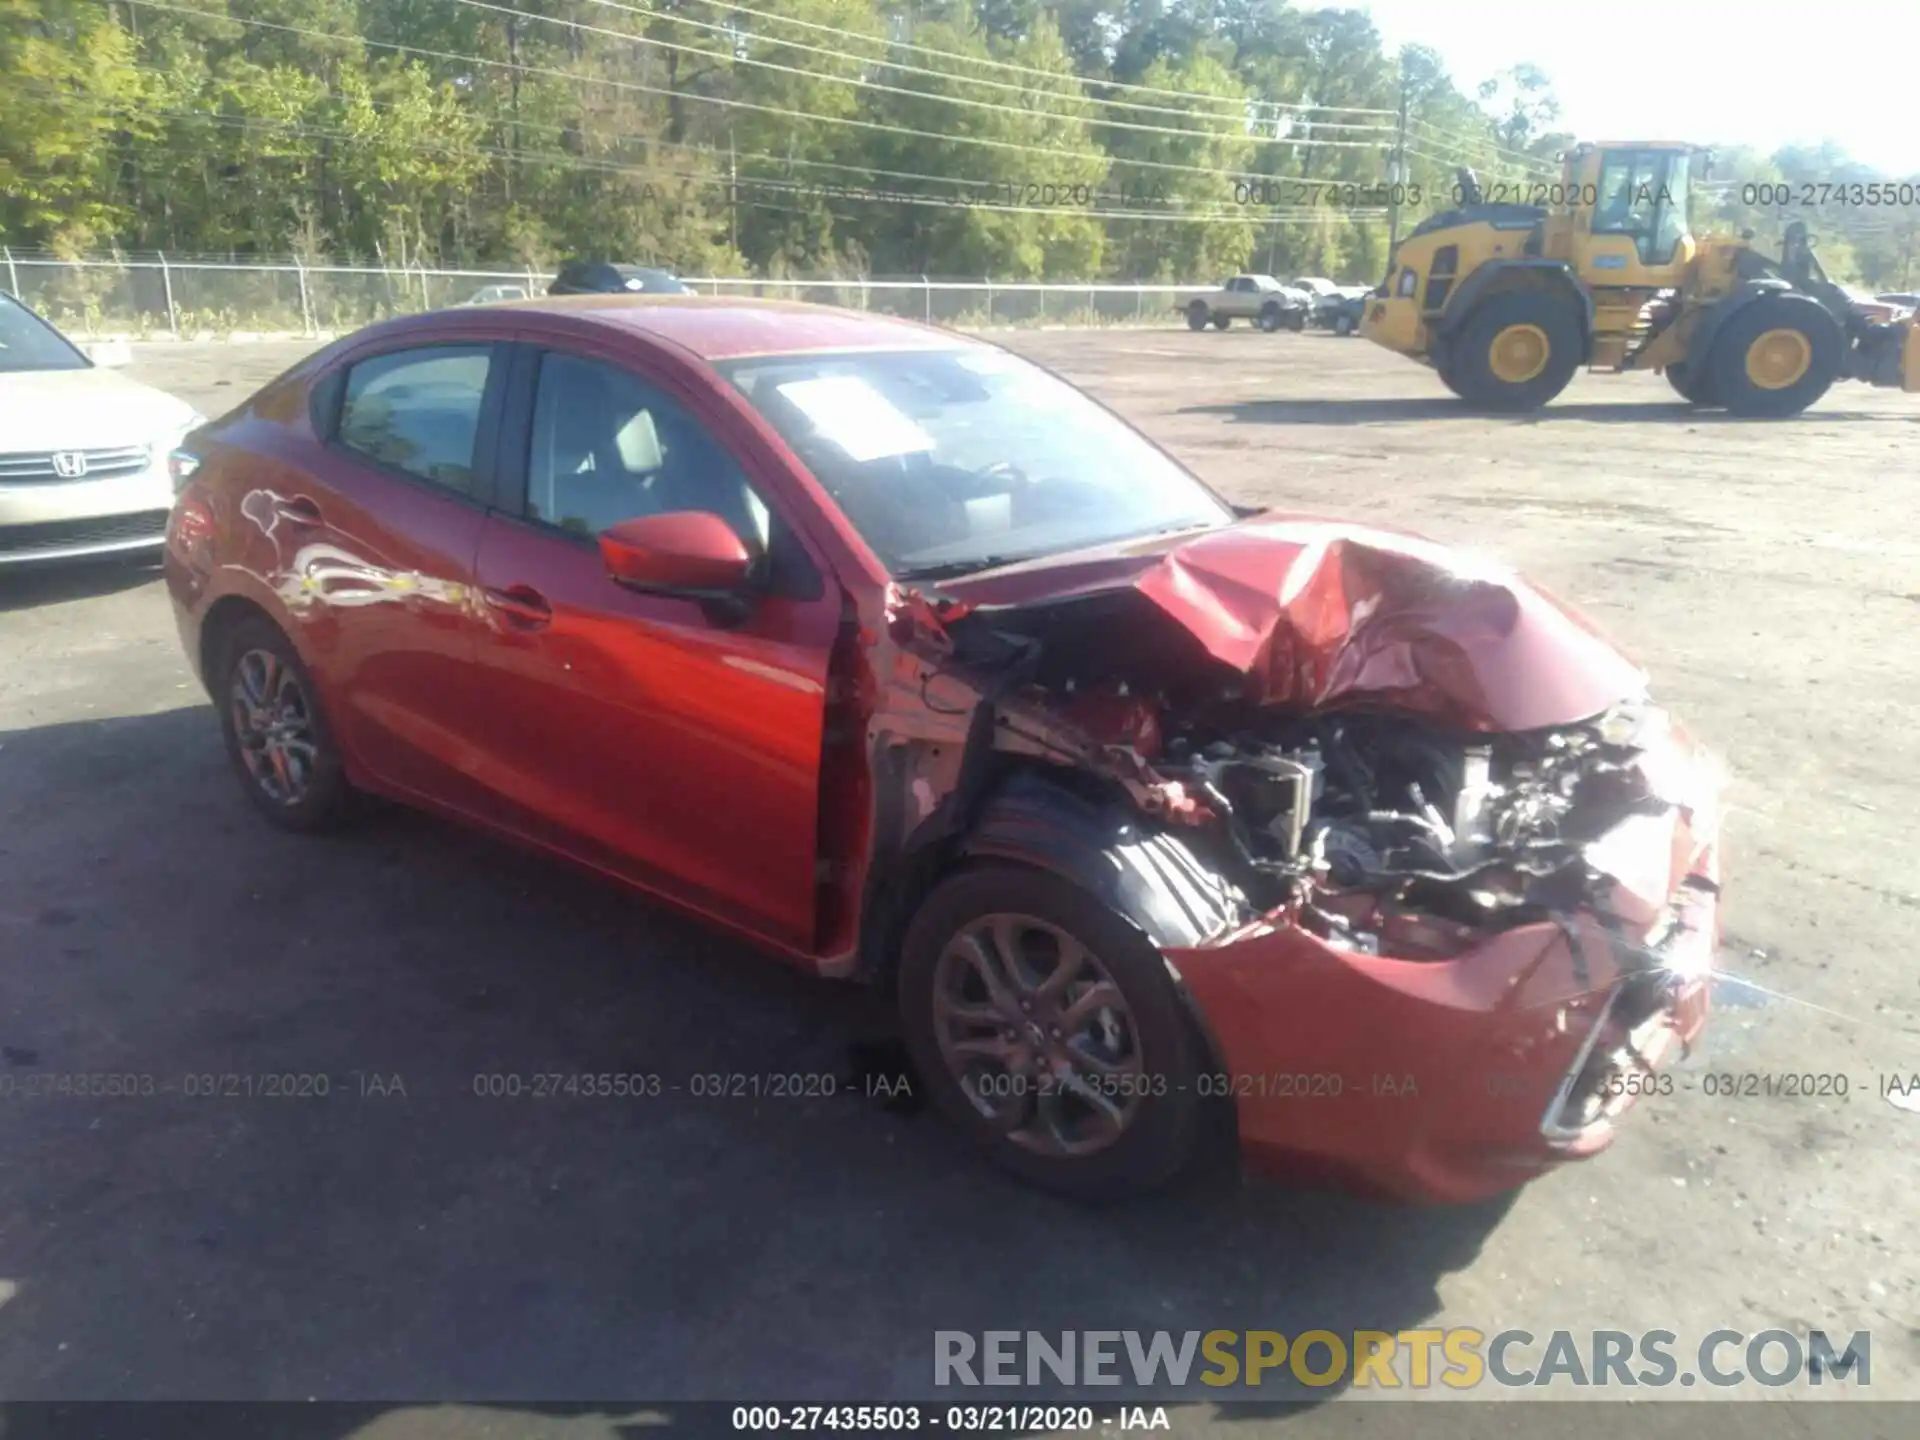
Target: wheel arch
<point>223,617</point>
<point>1148,877</point>
<point>1714,320</point>
<point>1500,277</point>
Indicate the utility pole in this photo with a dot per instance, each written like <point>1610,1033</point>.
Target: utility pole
<point>733,193</point>
<point>1397,173</point>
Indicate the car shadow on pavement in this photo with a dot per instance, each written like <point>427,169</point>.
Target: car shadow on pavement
<point>1416,409</point>
<point>29,586</point>
<point>340,1166</point>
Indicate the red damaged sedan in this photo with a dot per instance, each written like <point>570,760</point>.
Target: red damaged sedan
<point>903,659</point>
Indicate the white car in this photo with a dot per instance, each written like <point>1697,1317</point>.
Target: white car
<point>1329,300</point>
<point>1315,285</point>
<point>493,294</point>
<point>83,450</point>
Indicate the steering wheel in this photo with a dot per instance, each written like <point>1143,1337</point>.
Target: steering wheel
<point>1015,477</point>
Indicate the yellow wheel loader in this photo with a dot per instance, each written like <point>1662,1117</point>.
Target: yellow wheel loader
<point>1507,301</point>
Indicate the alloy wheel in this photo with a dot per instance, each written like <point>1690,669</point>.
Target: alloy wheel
<point>273,722</point>
<point>1038,1035</point>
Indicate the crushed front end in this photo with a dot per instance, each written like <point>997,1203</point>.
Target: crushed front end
<point>1471,873</point>
<point>1471,956</point>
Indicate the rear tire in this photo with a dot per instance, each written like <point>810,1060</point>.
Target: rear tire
<point>1516,353</point>
<point>277,735</point>
<point>1143,1021</point>
<point>1198,315</point>
<point>1775,357</point>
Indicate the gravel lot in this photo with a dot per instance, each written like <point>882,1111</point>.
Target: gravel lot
<point>439,1245</point>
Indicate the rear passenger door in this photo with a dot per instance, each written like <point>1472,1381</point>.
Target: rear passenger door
<point>378,555</point>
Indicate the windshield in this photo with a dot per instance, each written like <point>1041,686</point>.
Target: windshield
<point>948,461</point>
<point>28,343</point>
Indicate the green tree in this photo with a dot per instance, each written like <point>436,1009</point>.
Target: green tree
<point>65,72</point>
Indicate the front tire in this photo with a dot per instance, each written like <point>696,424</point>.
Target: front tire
<point>1693,388</point>
<point>276,734</point>
<point>1198,315</point>
<point>1775,357</point>
<point>1048,1030</point>
<point>1517,352</point>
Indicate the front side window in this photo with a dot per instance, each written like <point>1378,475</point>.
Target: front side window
<point>1643,193</point>
<point>28,343</point>
<point>607,446</point>
<point>418,411</point>
<point>1670,222</point>
<point>948,461</point>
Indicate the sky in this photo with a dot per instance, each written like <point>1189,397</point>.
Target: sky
<point>1708,72</point>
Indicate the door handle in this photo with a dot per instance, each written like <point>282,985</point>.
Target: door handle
<point>298,511</point>
<point>520,603</point>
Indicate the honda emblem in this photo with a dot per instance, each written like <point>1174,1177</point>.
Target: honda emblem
<point>69,464</point>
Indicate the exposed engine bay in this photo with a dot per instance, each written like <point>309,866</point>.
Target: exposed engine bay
<point>1375,802</point>
<point>1382,825</point>
<point>1405,752</point>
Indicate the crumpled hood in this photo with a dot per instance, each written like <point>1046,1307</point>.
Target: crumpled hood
<point>1318,613</point>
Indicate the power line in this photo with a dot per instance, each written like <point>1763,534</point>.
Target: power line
<point>1179,209</point>
<point>1476,150</point>
<point>1237,103</point>
<point>636,87</point>
<point>823,77</point>
<point>1013,67</point>
<point>848,193</point>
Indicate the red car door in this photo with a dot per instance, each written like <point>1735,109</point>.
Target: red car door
<point>643,733</point>
<point>375,543</point>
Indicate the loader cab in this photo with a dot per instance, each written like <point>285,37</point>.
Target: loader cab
<point>1630,213</point>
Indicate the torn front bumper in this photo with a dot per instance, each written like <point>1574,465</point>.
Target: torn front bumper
<point>1455,1079</point>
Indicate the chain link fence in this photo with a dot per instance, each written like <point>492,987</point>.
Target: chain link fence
<point>147,298</point>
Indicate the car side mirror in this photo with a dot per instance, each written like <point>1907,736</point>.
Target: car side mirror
<point>692,554</point>
<point>110,354</point>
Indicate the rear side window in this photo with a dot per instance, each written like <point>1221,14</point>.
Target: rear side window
<point>418,411</point>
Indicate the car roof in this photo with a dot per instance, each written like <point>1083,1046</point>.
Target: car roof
<point>715,328</point>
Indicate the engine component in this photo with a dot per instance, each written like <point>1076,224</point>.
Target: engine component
<point>1422,828</point>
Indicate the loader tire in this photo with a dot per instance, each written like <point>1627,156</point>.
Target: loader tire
<point>1517,352</point>
<point>1221,322</point>
<point>1271,318</point>
<point>1775,357</point>
<point>1692,388</point>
